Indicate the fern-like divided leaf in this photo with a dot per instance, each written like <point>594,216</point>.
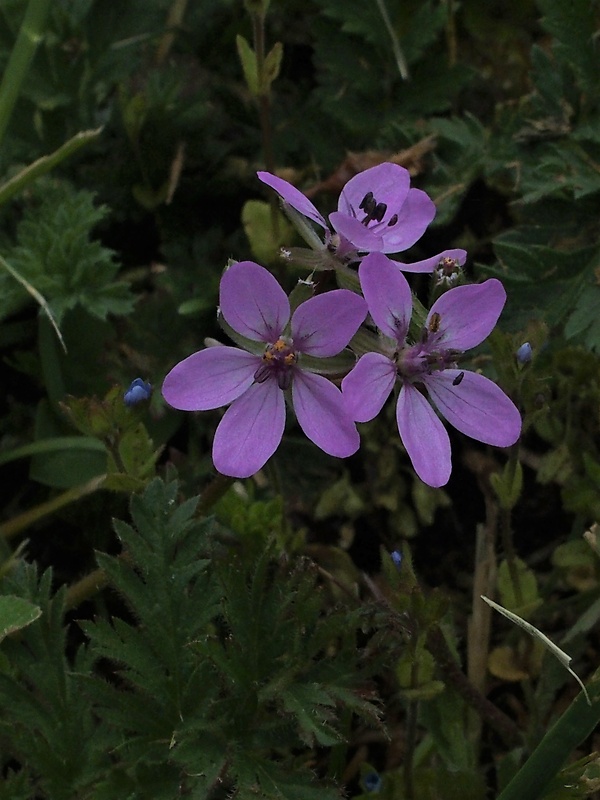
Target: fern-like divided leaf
<point>56,254</point>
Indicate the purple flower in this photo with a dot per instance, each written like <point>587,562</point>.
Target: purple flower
<point>460,319</point>
<point>255,306</point>
<point>377,212</point>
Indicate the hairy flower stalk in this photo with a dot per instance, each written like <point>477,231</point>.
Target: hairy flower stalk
<point>459,320</point>
<point>378,212</point>
<point>253,381</point>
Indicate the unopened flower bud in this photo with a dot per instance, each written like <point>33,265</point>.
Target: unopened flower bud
<point>524,353</point>
<point>138,392</point>
<point>372,782</point>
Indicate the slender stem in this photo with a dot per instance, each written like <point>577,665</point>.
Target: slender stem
<point>264,112</point>
<point>451,35</point>
<point>506,531</point>
<point>174,20</point>
<point>496,718</point>
<point>212,493</point>
<point>85,588</point>
<point>396,49</point>
<point>27,518</point>
<point>411,735</point>
<point>30,35</point>
<point>453,674</point>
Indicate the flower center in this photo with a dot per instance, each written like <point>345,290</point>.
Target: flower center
<point>374,211</point>
<point>278,361</point>
<point>425,357</point>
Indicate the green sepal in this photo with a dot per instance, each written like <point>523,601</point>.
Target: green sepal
<point>417,321</point>
<point>301,292</point>
<point>257,348</point>
<point>336,365</point>
<point>366,341</point>
<point>348,279</point>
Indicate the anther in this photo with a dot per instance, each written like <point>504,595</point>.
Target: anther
<point>434,322</point>
<point>458,379</point>
<point>367,202</point>
<point>393,220</point>
<point>379,211</point>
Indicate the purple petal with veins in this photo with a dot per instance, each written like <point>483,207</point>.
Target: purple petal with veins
<point>210,378</point>
<point>417,211</point>
<point>250,431</point>
<point>293,197</point>
<point>252,302</point>
<point>321,413</point>
<point>389,184</point>
<point>475,406</point>
<point>323,325</point>
<point>468,314</point>
<point>429,264</point>
<point>424,437</point>
<point>361,237</point>
<point>388,295</point>
<point>368,385</point>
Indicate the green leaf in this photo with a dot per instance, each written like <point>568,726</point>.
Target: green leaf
<point>264,236</point>
<point>508,484</point>
<point>16,613</point>
<point>58,256</point>
<point>249,65</point>
<point>572,25</point>
<point>527,582</point>
<point>271,67</point>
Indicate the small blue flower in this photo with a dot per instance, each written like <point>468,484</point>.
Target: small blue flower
<point>524,353</point>
<point>372,782</point>
<point>396,557</point>
<point>138,392</point>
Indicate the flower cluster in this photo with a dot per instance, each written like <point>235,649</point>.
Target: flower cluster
<point>378,212</point>
<point>285,353</point>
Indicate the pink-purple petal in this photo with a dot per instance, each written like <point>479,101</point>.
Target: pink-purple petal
<point>361,237</point>
<point>323,325</point>
<point>295,198</point>
<point>424,437</point>
<point>368,385</point>
<point>322,415</point>
<point>250,431</point>
<point>388,182</point>
<point>429,264</point>
<point>475,405</point>
<point>387,293</point>
<point>252,302</point>
<point>210,378</point>
<point>417,212</point>
<point>468,314</point>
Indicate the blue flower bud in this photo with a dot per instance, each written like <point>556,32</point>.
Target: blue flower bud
<point>396,557</point>
<point>138,392</point>
<point>372,782</point>
<point>524,353</point>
